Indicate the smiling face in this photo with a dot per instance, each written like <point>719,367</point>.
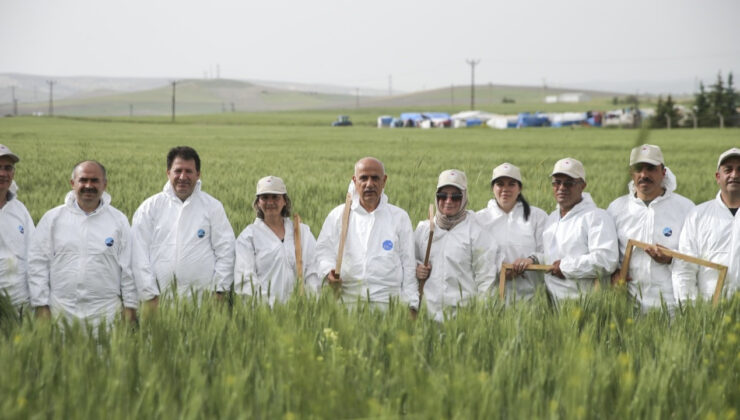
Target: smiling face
<point>7,172</point>
<point>271,205</point>
<point>506,190</point>
<point>567,191</point>
<point>88,184</point>
<point>183,176</point>
<point>648,180</point>
<point>369,179</point>
<point>728,179</point>
<point>449,200</point>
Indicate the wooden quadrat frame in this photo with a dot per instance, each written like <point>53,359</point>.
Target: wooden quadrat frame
<point>631,244</point>
<point>506,267</point>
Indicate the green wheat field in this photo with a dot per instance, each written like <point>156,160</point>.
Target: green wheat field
<point>312,358</point>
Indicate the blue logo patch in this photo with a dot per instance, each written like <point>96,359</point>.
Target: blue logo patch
<point>201,233</point>
<point>387,245</point>
<point>667,231</point>
<point>108,241</point>
<point>20,229</point>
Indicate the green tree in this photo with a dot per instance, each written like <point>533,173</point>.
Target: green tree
<point>731,102</point>
<point>702,108</point>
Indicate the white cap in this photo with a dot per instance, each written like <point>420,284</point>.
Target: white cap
<point>727,154</point>
<point>453,177</point>
<point>647,153</point>
<point>508,170</point>
<point>5,151</point>
<point>271,185</point>
<point>571,167</point>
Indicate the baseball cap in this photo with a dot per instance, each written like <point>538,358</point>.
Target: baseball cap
<point>647,153</point>
<point>453,177</point>
<point>5,151</point>
<point>506,169</point>
<point>271,185</point>
<point>727,154</point>
<point>571,167</point>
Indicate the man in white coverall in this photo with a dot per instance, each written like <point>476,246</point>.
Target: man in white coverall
<point>16,227</point>
<point>378,260</point>
<point>182,239</point>
<point>79,259</point>
<point>579,239</point>
<point>712,232</point>
<point>653,213</point>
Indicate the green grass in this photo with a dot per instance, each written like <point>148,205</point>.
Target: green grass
<point>596,358</point>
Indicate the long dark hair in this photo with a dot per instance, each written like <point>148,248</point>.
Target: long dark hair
<point>520,198</point>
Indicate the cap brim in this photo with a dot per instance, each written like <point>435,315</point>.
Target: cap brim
<point>645,160</point>
<point>12,156</point>
<point>724,158</point>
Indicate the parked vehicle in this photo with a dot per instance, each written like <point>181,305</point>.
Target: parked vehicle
<point>342,121</point>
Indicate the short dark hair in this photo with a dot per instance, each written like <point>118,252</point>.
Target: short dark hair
<point>102,168</point>
<point>185,153</point>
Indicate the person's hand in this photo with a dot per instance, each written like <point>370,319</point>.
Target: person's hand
<point>422,271</point>
<point>334,280</point>
<point>150,307</point>
<point>555,270</point>
<point>413,313</point>
<point>43,312</point>
<point>520,265</point>
<point>617,277</point>
<point>657,255</point>
<point>129,315</point>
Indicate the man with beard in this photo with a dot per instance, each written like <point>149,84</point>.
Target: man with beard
<point>579,239</point>
<point>652,212</point>
<point>378,260</point>
<point>15,230</point>
<point>79,259</point>
<point>182,239</point>
<point>712,232</point>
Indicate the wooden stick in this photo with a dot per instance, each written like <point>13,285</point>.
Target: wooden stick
<point>343,236</point>
<point>298,251</point>
<point>429,248</point>
<point>505,267</point>
<point>675,254</point>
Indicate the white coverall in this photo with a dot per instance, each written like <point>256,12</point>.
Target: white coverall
<point>268,265</point>
<point>516,238</point>
<point>660,222</point>
<point>585,242</point>
<point>16,228</point>
<point>712,233</point>
<point>464,260</point>
<point>378,258</point>
<point>190,242</point>
<point>79,264</point>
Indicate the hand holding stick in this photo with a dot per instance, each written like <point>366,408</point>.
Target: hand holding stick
<point>429,249</point>
<point>337,272</point>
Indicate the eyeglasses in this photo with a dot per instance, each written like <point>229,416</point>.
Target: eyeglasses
<point>556,183</point>
<point>453,197</point>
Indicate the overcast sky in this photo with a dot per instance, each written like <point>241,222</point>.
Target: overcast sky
<point>419,43</point>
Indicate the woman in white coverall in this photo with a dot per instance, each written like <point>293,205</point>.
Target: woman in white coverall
<point>517,229</point>
<point>463,260</point>
<point>265,250</point>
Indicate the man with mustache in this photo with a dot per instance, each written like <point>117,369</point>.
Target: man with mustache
<point>378,261</point>
<point>80,254</point>
<point>652,212</point>
<point>579,238</point>
<point>15,230</point>
<point>712,232</point>
<point>182,239</point>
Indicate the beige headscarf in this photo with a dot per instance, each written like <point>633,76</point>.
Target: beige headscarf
<point>457,179</point>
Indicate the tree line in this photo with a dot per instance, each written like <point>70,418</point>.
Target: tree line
<point>711,108</point>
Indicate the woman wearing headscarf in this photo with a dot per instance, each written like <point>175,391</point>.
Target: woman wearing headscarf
<point>463,260</point>
<point>517,228</point>
<point>265,261</point>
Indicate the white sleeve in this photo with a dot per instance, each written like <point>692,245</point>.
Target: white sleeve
<point>222,242</point>
<point>39,261</point>
<point>421,238</point>
<point>310,269</point>
<point>328,243</point>
<point>540,223</point>
<point>128,286</point>
<point>603,250</point>
<point>141,266</point>
<point>487,259</point>
<point>410,284</point>
<point>684,274</point>
<point>244,264</point>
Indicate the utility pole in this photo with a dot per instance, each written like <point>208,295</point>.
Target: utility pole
<point>15,101</point>
<point>51,97</point>
<point>174,83</point>
<point>472,64</point>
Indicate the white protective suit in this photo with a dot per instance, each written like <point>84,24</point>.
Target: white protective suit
<point>585,242</point>
<point>378,258</point>
<point>189,241</point>
<point>16,228</point>
<point>79,264</point>
<point>464,260</point>
<point>658,223</point>
<point>266,264</point>
<point>516,238</point>
<point>712,233</point>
